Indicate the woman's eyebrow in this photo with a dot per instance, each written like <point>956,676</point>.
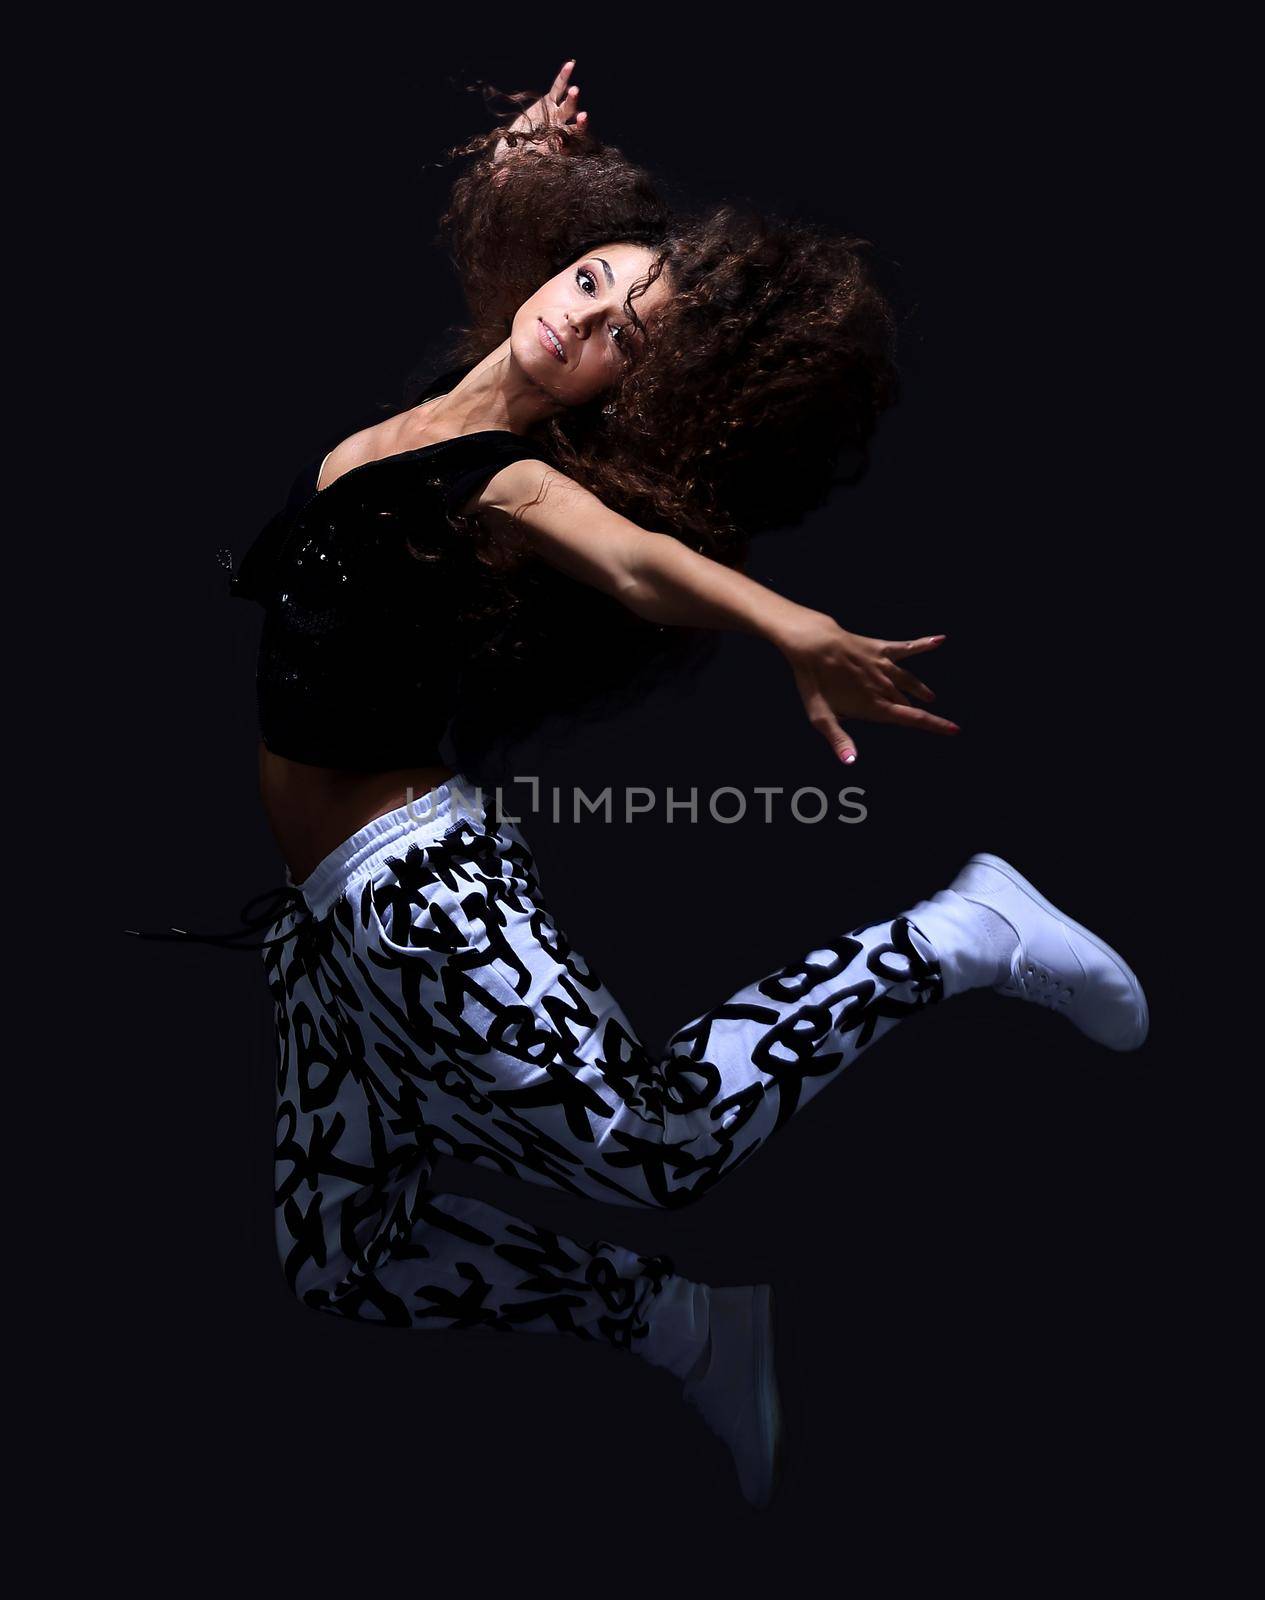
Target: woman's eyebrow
<point>606,268</point>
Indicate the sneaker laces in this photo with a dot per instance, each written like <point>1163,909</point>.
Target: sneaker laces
<point>1037,983</point>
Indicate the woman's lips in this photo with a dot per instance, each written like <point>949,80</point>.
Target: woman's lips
<point>548,343</point>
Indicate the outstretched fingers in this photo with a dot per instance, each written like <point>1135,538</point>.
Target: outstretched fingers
<point>897,650</point>
<point>910,717</point>
<point>564,98</point>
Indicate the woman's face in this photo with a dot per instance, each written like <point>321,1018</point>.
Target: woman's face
<point>573,338</point>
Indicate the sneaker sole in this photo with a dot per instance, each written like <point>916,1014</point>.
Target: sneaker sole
<point>766,1380</point>
<point>1103,948</point>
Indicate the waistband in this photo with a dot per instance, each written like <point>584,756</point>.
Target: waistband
<point>424,820</point>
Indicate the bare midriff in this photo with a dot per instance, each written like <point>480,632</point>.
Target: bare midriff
<point>312,810</point>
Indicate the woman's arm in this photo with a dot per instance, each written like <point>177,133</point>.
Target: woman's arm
<point>658,578</point>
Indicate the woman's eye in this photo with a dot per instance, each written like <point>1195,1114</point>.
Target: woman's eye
<point>588,283</point>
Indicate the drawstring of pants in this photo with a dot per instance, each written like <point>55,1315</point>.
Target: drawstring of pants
<point>276,902</point>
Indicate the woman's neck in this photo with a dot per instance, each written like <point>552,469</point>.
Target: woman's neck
<point>494,394</point>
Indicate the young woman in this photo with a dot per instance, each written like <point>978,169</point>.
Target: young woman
<point>563,514</point>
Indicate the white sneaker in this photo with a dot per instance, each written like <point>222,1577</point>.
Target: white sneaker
<point>737,1395</point>
<point>1056,962</point>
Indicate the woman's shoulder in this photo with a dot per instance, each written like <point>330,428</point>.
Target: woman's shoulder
<point>479,470</point>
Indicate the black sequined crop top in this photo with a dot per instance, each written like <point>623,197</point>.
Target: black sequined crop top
<point>360,657</point>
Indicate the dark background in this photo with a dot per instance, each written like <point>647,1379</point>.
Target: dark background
<point>972,1234</point>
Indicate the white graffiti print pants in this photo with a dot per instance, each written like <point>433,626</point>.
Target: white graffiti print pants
<point>427,1003</point>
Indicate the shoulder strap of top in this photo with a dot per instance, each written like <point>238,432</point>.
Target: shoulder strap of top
<point>461,466</point>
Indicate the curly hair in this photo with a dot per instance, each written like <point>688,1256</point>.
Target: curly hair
<point>761,382</point>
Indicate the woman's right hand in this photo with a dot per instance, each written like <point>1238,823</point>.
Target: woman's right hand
<point>557,106</point>
<point>846,674</point>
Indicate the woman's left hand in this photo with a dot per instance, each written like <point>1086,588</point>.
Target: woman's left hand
<point>558,105</point>
<point>846,674</point>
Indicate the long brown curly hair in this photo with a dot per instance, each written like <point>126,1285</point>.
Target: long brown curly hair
<point>759,387</point>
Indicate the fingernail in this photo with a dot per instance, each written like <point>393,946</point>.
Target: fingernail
<point>849,756</point>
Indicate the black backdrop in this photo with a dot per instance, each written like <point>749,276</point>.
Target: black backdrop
<point>969,1233</point>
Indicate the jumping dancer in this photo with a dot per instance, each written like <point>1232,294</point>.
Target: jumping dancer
<point>562,514</point>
